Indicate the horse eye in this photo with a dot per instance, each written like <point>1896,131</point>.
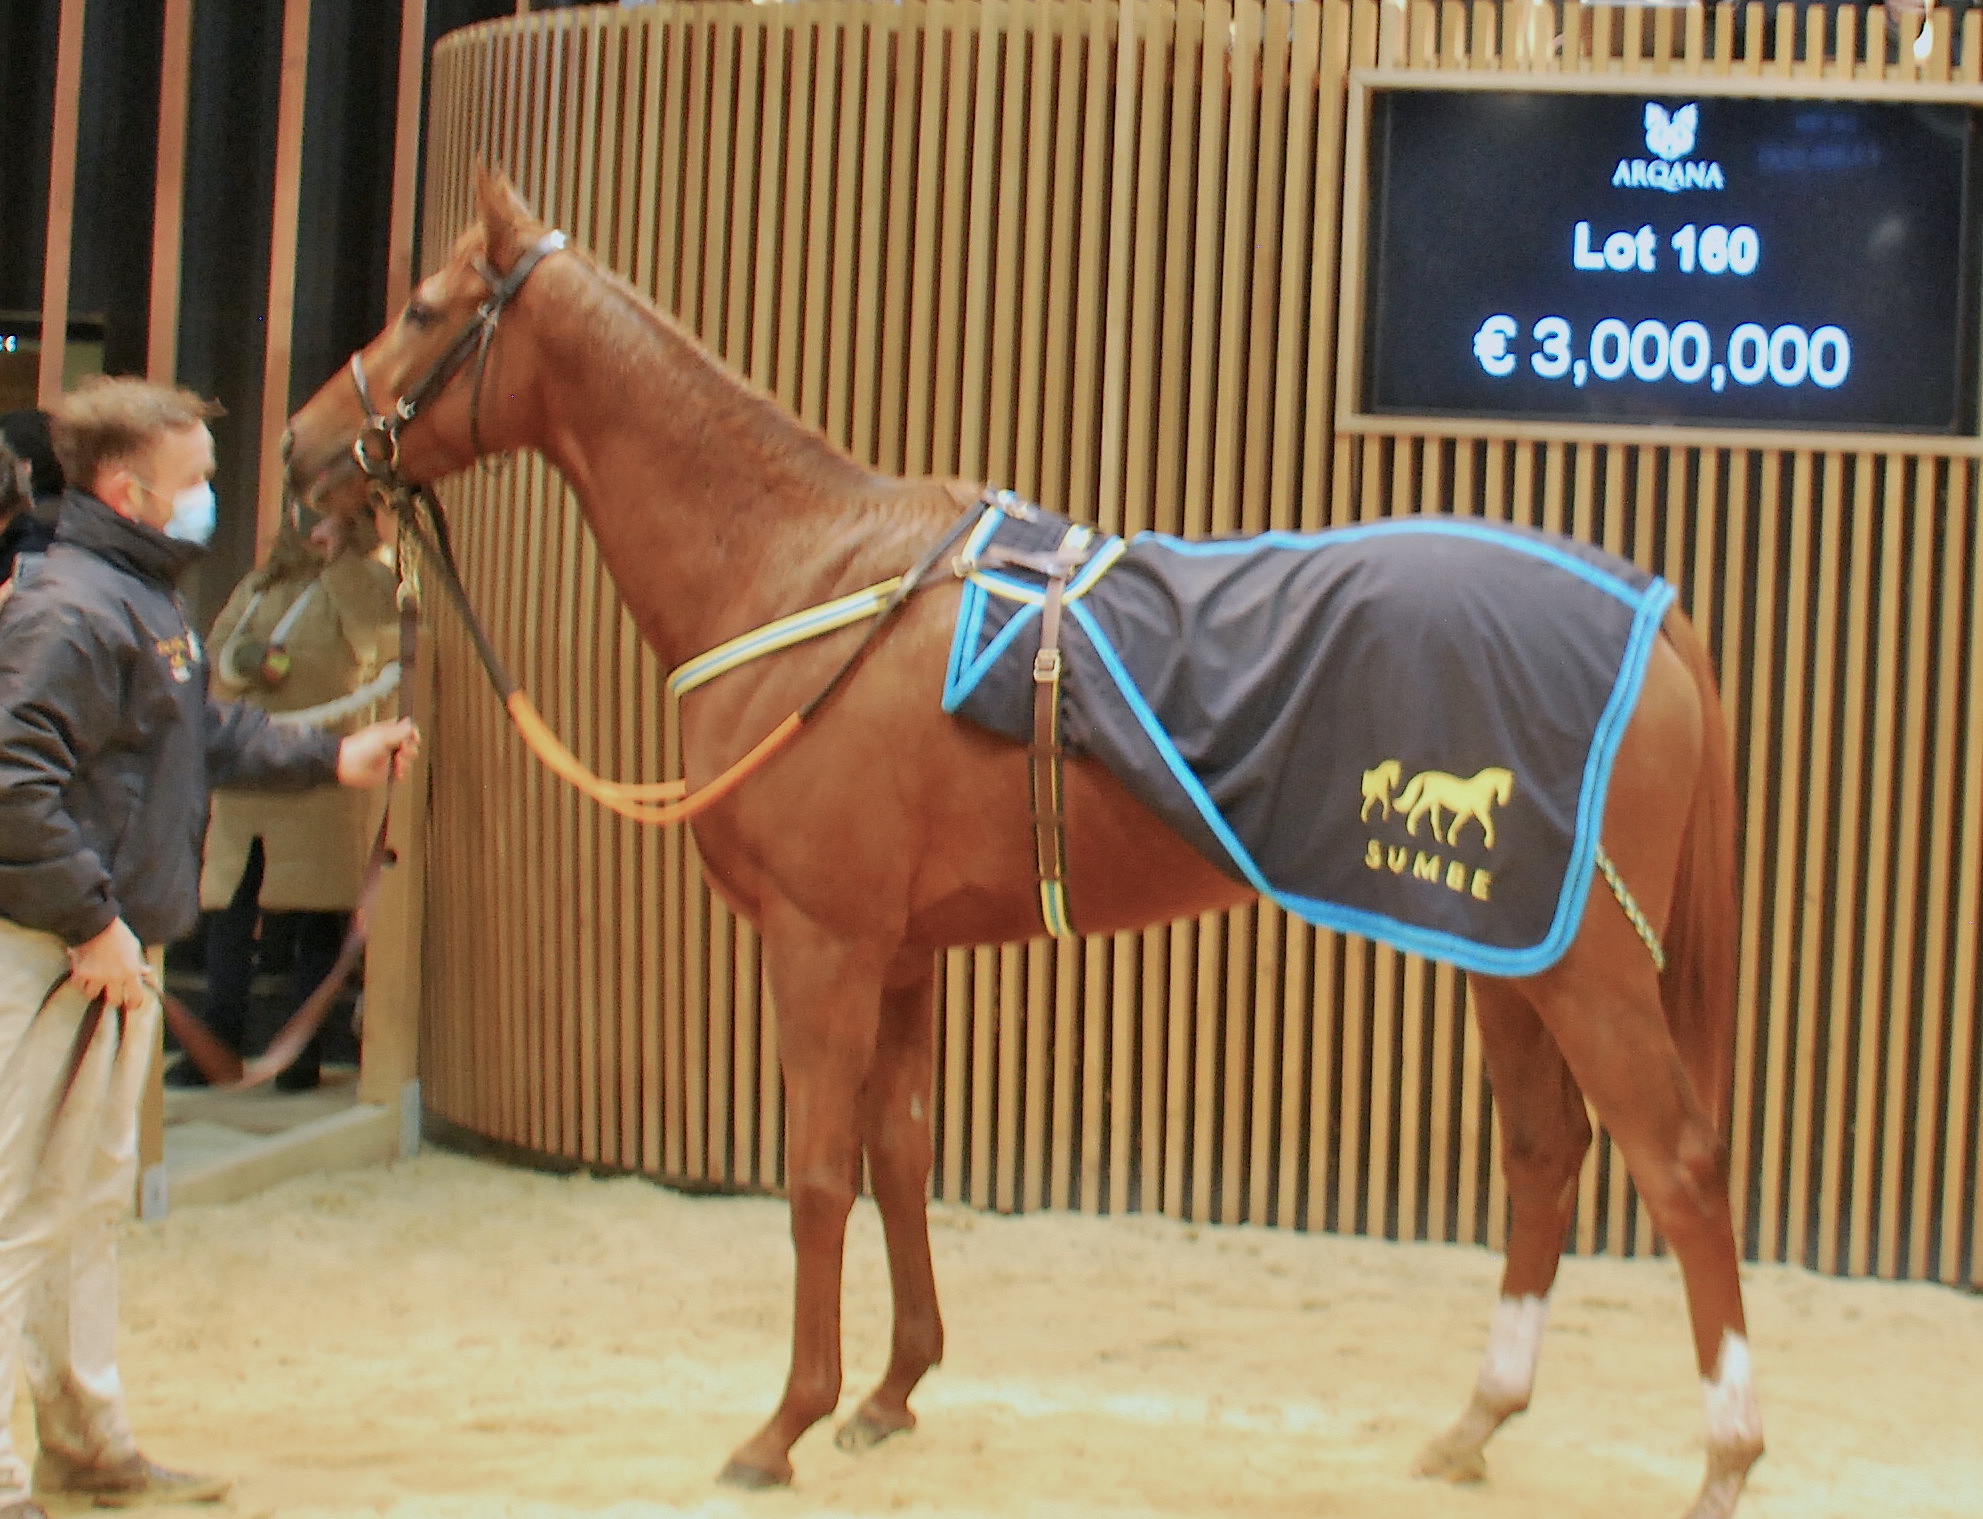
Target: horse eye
<point>420,314</point>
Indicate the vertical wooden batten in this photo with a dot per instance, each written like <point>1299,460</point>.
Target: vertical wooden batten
<point>169,194</point>
<point>389,1057</point>
<point>283,233</point>
<point>60,240</point>
<point>406,150</point>
<point>394,954</point>
<point>161,366</point>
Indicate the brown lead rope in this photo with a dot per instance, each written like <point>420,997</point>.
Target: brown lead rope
<point>223,1067</point>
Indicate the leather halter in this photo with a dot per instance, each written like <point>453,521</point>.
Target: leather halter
<point>376,445</point>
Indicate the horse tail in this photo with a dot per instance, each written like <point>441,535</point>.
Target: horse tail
<point>1698,986</point>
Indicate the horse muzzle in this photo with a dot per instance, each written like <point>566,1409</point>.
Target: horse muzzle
<point>334,486</point>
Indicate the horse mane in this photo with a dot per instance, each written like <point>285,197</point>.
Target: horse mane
<point>640,346</point>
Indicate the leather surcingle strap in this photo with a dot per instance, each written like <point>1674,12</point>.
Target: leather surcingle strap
<point>1049,789</point>
<point>1047,754</point>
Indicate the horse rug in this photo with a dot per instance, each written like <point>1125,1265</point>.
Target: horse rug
<point>1403,729</point>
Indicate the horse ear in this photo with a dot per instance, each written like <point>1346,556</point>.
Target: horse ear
<point>487,181</point>
<point>501,209</point>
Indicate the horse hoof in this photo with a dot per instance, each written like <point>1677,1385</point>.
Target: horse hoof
<point>867,1429</point>
<point>1448,1460</point>
<point>745,1474</point>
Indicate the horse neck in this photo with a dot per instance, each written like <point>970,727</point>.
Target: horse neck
<point>714,509</point>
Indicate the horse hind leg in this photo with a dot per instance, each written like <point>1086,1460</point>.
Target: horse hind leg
<point>896,1132</point>
<point>1544,1137</point>
<point>1602,1005</point>
<point>1651,1048</point>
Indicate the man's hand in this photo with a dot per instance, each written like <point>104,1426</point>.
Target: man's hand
<point>113,965</point>
<point>365,757</point>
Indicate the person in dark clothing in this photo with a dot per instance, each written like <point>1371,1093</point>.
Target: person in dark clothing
<point>109,741</point>
<point>21,530</point>
<point>26,433</point>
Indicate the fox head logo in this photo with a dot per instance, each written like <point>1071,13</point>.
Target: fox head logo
<point>1671,136</point>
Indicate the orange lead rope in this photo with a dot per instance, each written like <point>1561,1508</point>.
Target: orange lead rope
<point>679,805</point>
<point>659,802</point>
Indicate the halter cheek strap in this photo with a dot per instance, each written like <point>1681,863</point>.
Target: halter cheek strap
<point>376,445</point>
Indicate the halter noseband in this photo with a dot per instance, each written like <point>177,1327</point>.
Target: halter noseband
<point>376,446</point>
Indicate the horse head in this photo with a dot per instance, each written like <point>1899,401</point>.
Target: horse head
<point>433,391</point>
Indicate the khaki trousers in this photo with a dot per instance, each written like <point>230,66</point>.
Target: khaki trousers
<point>68,1168</point>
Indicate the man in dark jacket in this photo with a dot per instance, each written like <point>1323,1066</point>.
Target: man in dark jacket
<point>109,741</point>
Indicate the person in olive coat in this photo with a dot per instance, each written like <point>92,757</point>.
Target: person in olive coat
<point>311,636</point>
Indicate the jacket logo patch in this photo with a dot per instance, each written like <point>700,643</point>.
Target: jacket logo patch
<point>1447,804</point>
<point>180,654</point>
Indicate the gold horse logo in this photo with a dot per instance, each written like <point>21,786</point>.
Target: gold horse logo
<point>1377,786</point>
<point>1432,792</point>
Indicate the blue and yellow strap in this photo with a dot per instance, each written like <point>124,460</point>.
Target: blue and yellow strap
<point>813,622</point>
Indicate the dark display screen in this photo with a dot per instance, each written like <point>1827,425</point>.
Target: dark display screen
<point>1698,259</point>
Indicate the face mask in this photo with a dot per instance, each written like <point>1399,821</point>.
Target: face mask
<point>193,514</point>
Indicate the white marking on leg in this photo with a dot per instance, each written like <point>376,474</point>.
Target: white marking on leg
<point>1507,1374</point>
<point>1735,1417</point>
<point>1514,1346</point>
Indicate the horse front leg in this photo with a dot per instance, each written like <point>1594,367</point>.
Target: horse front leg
<point>828,997</point>
<point>895,1128</point>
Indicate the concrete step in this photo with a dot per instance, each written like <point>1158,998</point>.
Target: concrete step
<point>222,1146</point>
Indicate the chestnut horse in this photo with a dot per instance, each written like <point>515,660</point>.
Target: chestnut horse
<point>888,831</point>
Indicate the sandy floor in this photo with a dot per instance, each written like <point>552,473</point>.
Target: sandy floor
<point>451,1338</point>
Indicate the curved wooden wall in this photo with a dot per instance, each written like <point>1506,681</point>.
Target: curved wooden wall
<point>1088,250</point>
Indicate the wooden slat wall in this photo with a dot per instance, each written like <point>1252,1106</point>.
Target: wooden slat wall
<point>1090,251</point>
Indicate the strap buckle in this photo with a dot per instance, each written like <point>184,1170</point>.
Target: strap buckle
<point>1046,666</point>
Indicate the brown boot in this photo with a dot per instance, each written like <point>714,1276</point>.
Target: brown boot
<point>123,1484</point>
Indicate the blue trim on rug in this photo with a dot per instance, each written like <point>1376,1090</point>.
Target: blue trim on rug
<point>970,617</point>
<point>1181,772</point>
<point>1457,527</point>
<point>1606,741</point>
<point>966,673</point>
<point>1435,944</point>
<point>963,673</point>
<point>1649,604</point>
